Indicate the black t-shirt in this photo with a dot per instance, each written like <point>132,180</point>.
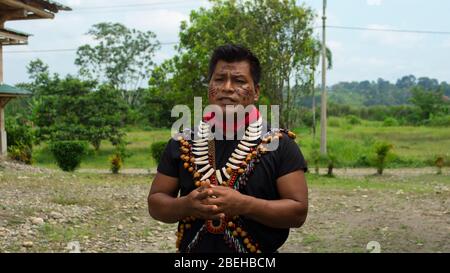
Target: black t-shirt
<point>285,159</point>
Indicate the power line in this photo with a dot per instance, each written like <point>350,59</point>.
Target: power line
<point>391,30</point>
<point>120,8</point>
<point>63,49</point>
<point>132,5</point>
<point>334,27</point>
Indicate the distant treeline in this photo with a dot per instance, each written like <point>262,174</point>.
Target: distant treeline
<point>380,92</point>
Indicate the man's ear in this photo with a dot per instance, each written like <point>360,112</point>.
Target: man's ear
<point>257,90</point>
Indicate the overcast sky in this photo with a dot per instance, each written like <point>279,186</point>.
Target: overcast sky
<point>358,55</point>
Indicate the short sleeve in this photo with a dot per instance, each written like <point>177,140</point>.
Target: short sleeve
<point>290,157</point>
<point>170,159</point>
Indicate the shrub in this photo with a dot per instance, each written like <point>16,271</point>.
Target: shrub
<point>353,120</point>
<point>363,161</point>
<point>331,160</point>
<point>119,156</point>
<point>382,150</point>
<point>116,163</point>
<point>443,121</point>
<point>390,121</point>
<point>315,156</point>
<point>157,150</point>
<point>68,154</point>
<point>19,133</point>
<point>439,163</point>
<point>21,152</point>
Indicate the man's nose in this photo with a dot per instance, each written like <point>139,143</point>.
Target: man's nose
<point>228,86</point>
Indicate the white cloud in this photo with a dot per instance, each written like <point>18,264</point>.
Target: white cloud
<point>390,38</point>
<point>334,45</point>
<point>165,23</point>
<point>446,43</point>
<point>374,2</point>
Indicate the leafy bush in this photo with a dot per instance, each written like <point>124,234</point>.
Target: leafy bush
<point>353,120</point>
<point>19,132</point>
<point>443,121</point>
<point>119,157</point>
<point>68,154</point>
<point>21,152</point>
<point>363,161</point>
<point>382,151</point>
<point>390,121</point>
<point>315,156</point>
<point>331,161</point>
<point>116,163</point>
<point>157,150</point>
<point>439,163</point>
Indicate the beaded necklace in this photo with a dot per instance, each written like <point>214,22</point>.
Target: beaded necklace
<point>199,159</point>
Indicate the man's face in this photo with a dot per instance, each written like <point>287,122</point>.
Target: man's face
<point>232,84</point>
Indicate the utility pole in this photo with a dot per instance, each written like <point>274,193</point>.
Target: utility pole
<point>323,105</point>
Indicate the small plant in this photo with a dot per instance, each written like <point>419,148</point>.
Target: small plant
<point>389,122</point>
<point>157,150</point>
<point>68,153</point>
<point>439,163</point>
<point>382,151</point>
<point>21,152</point>
<point>119,156</point>
<point>363,161</point>
<point>315,156</point>
<point>353,120</point>
<point>116,163</point>
<point>331,160</point>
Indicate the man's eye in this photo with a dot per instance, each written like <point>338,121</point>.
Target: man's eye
<point>219,80</point>
<point>240,81</point>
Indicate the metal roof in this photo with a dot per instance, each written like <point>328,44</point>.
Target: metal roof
<point>11,90</point>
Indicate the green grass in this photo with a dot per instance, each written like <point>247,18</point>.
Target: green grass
<point>413,146</point>
<point>411,184</point>
<point>139,146</point>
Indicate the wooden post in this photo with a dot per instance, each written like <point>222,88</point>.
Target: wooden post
<point>3,144</point>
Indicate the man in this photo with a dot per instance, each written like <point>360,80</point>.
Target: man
<point>231,195</point>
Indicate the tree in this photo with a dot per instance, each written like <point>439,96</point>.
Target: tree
<point>73,109</point>
<point>429,102</point>
<point>278,32</point>
<point>122,58</point>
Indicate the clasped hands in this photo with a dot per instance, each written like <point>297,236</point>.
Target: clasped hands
<point>215,202</point>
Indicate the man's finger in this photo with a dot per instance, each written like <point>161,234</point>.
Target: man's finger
<point>214,201</point>
<point>217,191</point>
<point>202,195</point>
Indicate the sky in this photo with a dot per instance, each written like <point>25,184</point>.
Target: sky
<point>357,54</point>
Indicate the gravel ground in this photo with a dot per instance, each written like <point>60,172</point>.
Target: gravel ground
<point>50,211</point>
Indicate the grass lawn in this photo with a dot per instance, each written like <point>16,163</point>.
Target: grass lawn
<point>413,146</point>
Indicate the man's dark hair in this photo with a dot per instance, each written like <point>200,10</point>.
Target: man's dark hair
<point>235,53</point>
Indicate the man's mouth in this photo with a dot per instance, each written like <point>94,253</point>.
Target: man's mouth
<point>226,101</point>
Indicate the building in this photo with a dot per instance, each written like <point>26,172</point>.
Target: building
<point>13,10</point>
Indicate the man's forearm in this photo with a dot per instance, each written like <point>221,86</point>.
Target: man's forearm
<point>166,208</point>
<point>284,213</point>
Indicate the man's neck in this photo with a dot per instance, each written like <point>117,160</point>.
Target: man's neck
<point>231,126</point>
